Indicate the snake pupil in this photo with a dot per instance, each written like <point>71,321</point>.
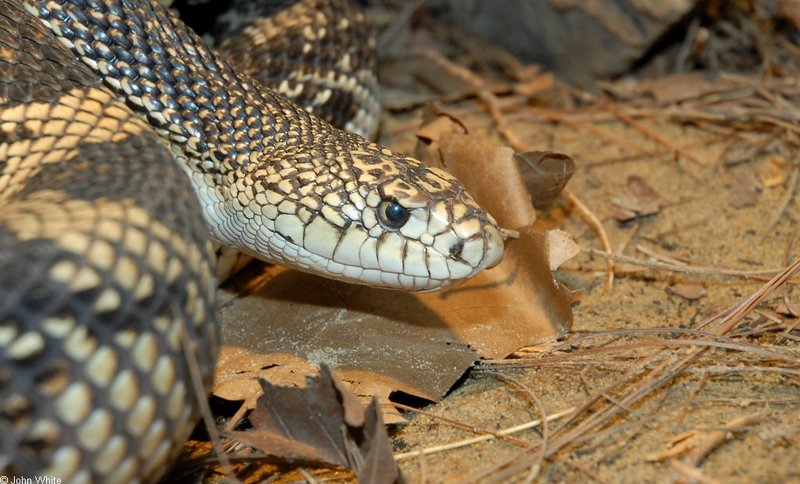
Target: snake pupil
<point>392,215</point>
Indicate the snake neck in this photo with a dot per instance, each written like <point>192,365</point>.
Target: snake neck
<point>165,72</point>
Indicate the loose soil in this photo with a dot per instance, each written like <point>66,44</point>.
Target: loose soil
<point>712,216</point>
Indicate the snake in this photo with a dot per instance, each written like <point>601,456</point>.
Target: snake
<point>128,146</point>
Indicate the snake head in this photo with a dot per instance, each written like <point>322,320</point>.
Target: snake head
<point>373,217</point>
<point>363,215</point>
<point>429,231</point>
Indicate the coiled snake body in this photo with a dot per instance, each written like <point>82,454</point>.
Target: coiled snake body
<point>107,108</point>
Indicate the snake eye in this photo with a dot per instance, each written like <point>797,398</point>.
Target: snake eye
<point>392,215</point>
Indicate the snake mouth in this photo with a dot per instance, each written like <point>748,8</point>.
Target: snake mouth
<point>449,271</point>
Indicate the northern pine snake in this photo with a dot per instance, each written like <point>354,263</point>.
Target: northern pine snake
<point>106,280</point>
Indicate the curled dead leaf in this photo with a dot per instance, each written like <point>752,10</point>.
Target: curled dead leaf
<point>489,171</point>
<point>637,199</point>
<point>322,423</point>
<point>560,248</point>
<point>515,304</point>
<point>239,370</point>
<point>545,174</point>
<point>518,299</point>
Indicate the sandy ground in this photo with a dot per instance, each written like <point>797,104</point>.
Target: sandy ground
<point>644,423</point>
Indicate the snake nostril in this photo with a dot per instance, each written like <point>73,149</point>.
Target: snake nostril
<point>456,249</point>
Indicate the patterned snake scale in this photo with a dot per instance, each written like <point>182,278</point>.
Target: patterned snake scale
<point>106,285</point>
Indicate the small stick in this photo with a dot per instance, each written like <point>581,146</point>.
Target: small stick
<point>400,22</point>
<point>692,472</point>
<point>594,222</point>
<point>663,258</point>
<point>657,137</point>
<point>480,438</point>
<point>629,237</point>
<point>682,268</point>
<point>537,465</point>
<point>619,140</point>
<point>465,426</point>
<point>482,90</point>
<point>589,472</point>
<point>202,401</point>
<point>716,438</point>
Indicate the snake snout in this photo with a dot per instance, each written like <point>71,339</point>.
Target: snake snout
<point>479,242</point>
<point>483,250</point>
<point>493,253</point>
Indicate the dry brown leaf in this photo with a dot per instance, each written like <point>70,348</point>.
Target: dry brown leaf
<point>560,248</point>
<point>239,370</point>
<point>509,306</point>
<point>637,199</point>
<point>688,291</point>
<point>392,338</point>
<point>545,174</point>
<point>744,192</point>
<point>378,464</point>
<point>321,423</point>
<point>518,302</point>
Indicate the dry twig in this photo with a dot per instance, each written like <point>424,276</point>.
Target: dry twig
<point>595,223</point>
<point>713,440</point>
<point>686,269</point>
<point>657,137</point>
